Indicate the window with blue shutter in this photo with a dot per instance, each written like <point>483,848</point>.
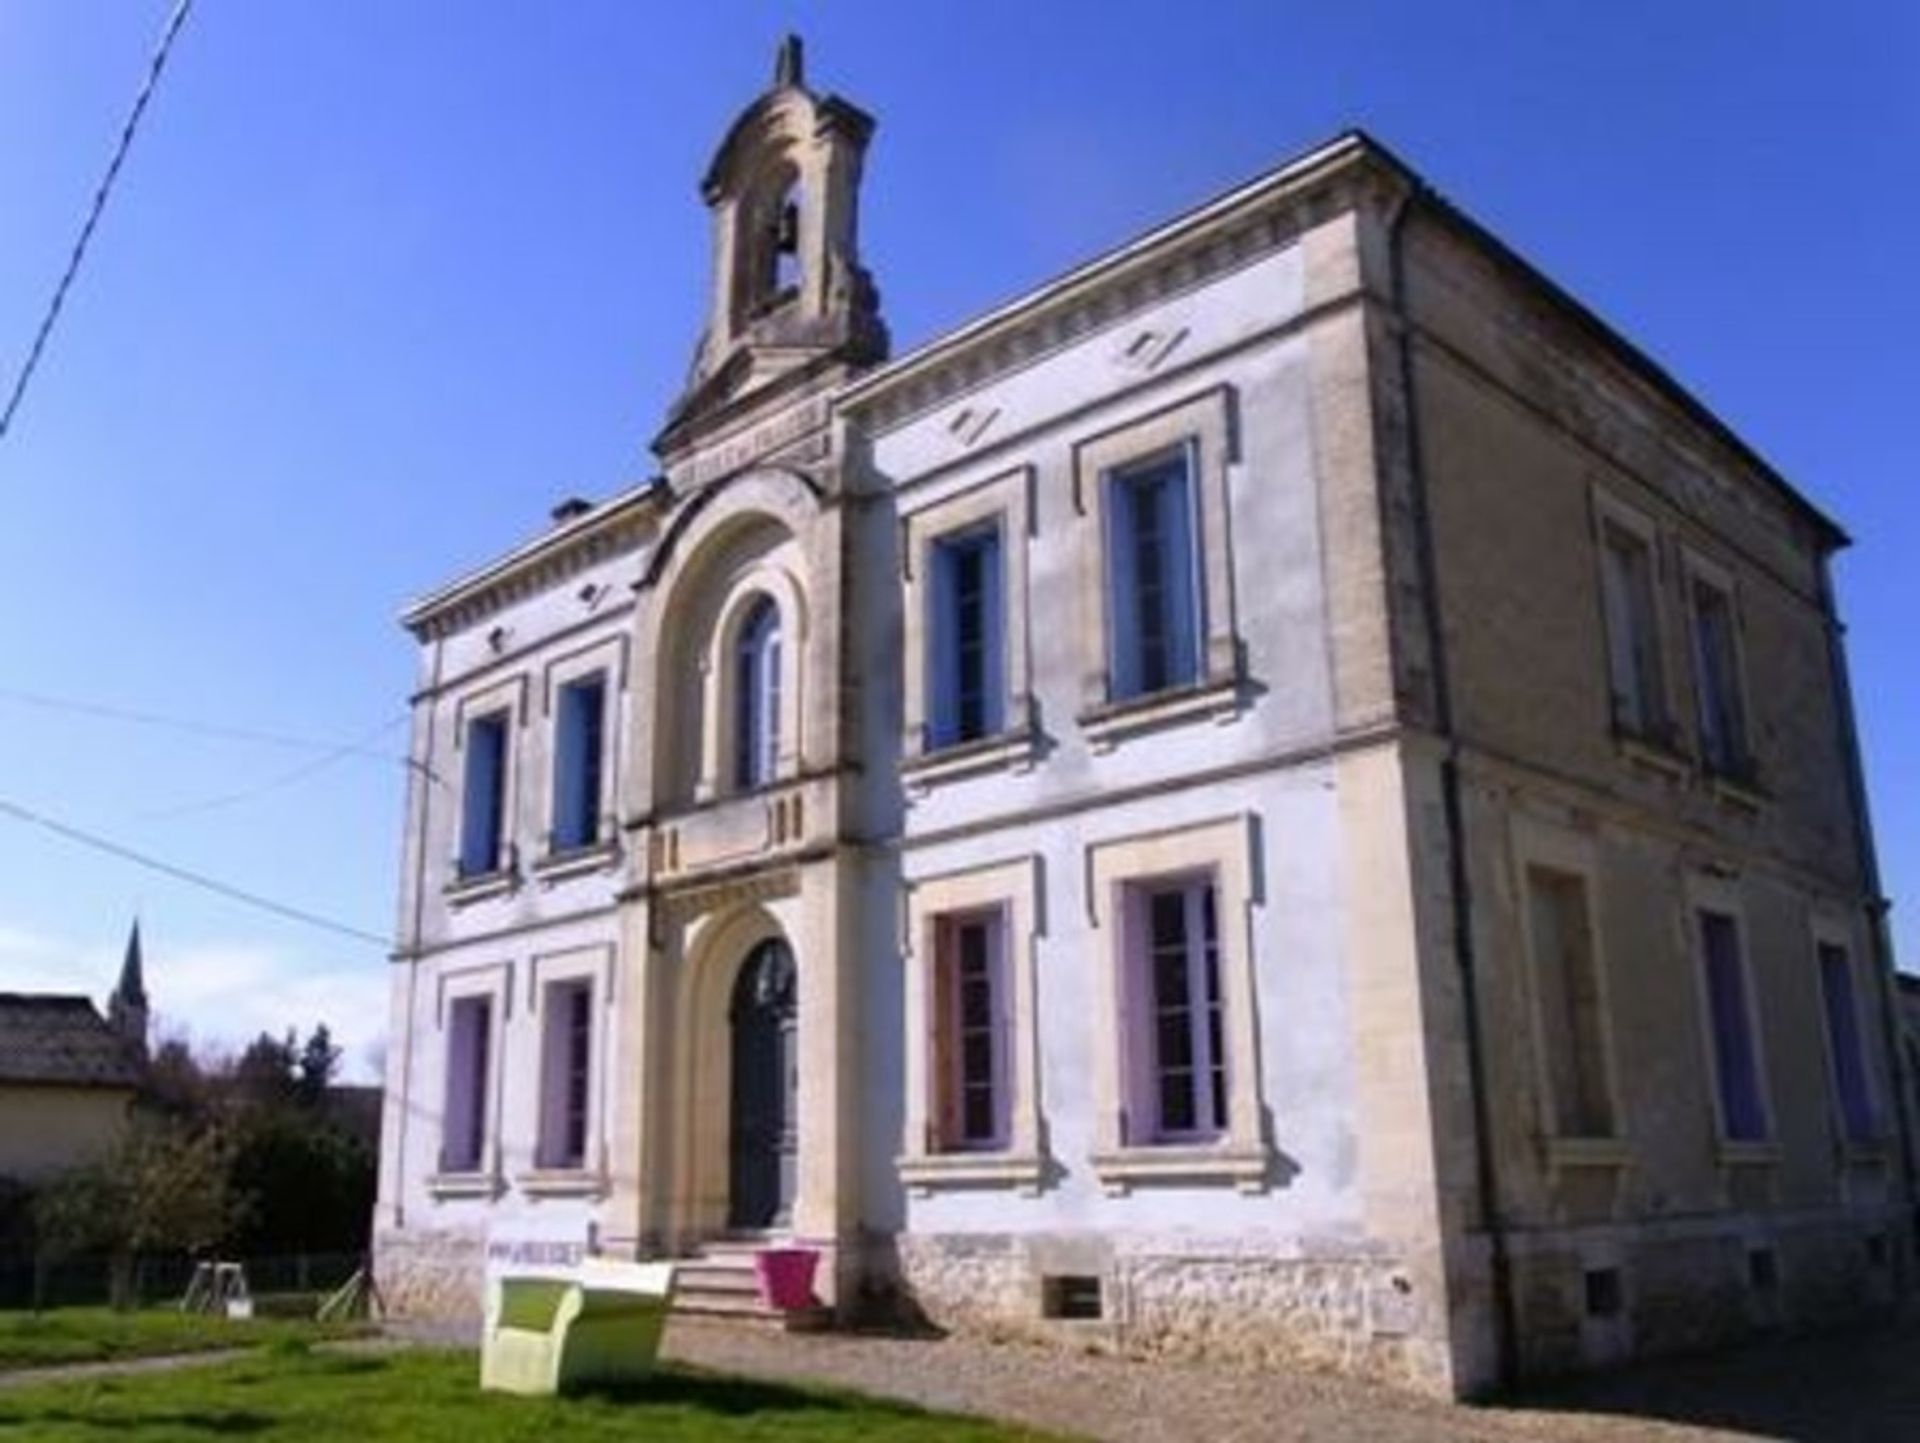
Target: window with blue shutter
<point>578,751</point>
<point>1736,1062</point>
<point>1153,599</point>
<point>484,794</point>
<point>966,677</point>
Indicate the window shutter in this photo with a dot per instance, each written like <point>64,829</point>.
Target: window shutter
<point>1177,497</point>
<point>943,649</point>
<point>993,644</point>
<point>483,794</point>
<point>1123,593</point>
<point>1006,1037</point>
<point>944,1062</point>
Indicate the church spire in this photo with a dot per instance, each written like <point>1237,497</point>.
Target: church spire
<point>127,1007</point>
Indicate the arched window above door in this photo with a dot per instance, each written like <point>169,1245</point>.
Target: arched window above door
<point>756,696</point>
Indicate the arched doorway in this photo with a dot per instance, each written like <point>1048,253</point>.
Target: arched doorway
<point>764,1119</point>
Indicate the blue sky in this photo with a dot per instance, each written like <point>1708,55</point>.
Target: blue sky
<point>384,281</point>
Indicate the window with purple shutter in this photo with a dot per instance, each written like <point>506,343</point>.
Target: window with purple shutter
<point>463,1141</point>
<point>972,1049</point>
<point>1176,1053</point>
<point>1846,1045</point>
<point>1743,1114</point>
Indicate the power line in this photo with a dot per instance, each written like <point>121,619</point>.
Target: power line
<point>177,19</point>
<point>193,726</point>
<point>191,878</point>
<point>284,779</point>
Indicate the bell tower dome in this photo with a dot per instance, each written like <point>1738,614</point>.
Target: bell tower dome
<point>788,291</point>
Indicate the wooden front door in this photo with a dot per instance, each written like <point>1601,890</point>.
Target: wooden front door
<point>765,1079</point>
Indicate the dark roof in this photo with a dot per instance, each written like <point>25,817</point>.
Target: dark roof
<point>46,1038</point>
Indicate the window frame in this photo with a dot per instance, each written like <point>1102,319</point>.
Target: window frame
<point>1011,890</point>
<point>1721,896</point>
<point>491,985</point>
<point>1542,847</point>
<point>504,698</point>
<point>950,1132</point>
<point>758,658</point>
<point>1003,499</point>
<point>1829,933</point>
<point>1203,425</point>
<point>1146,1074</point>
<point>1662,729</point>
<point>608,657</point>
<point>949,693</point>
<point>1223,848</point>
<point>1697,572</point>
<point>719,711</point>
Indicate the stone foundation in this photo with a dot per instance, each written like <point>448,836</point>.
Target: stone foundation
<point>1684,1289</point>
<point>437,1274</point>
<point>1346,1310</point>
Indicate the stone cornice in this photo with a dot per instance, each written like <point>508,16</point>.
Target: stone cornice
<point>609,529</point>
<point>1187,252</point>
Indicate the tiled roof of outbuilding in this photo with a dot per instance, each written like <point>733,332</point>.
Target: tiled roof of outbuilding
<point>46,1038</point>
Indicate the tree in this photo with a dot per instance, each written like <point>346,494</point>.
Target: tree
<point>319,1060</point>
<point>164,1187</point>
<point>265,1072</point>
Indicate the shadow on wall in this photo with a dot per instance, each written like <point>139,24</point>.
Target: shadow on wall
<point>1861,1387</point>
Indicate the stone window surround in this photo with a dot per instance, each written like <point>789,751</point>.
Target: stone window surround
<point>492,980</point>
<point>1608,510</point>
<point>593,965</point>
<point>509,695</point>
<point>719,682</point>
<point>1012,887</point>
<point>1223,848</point>
<point>1007,498</point>
<point>1539,845</point>
<point>609,657</point>
<point>1696,567</point>
<point>1203,422</point>
<point>1827,926</point>
<point>1719,891</point>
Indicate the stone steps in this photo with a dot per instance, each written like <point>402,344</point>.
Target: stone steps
<point>719,1282</point>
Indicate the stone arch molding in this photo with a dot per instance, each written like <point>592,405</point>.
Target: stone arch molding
<point>744,539</point>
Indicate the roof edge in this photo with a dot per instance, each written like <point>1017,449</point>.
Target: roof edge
<point>623,506</point>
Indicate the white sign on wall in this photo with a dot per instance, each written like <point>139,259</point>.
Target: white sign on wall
<point>518,1249</point>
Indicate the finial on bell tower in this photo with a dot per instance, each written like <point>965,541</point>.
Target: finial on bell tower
<point>789,64</point>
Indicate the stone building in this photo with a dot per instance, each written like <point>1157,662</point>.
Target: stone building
<point>1287,794</point>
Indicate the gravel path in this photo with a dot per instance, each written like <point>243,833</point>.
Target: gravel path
<point>118,1367</point>
<point>1863,1389</point>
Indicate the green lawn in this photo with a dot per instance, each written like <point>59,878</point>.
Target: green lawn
<point>288,1395</point>
<point>89,1335</point>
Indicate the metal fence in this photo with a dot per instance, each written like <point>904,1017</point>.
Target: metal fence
<point>88,1281</point>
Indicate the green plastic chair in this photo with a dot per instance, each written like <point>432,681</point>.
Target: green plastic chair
<point>557,1334</point>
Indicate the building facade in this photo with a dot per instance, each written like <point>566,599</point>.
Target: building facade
<point>1285,795</point>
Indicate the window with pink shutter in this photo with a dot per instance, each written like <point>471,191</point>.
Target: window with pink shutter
<point>971,1032</point>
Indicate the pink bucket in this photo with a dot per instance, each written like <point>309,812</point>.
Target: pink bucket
<point>786,1277</point>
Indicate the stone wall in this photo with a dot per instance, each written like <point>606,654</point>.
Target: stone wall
<point>1338,1308</point>
<point>431,1274</point>
<point>1682,1291</point>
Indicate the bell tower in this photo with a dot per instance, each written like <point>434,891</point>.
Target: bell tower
<point>789,295</point>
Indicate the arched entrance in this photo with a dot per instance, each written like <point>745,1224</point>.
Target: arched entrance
<point>763,1116</point>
